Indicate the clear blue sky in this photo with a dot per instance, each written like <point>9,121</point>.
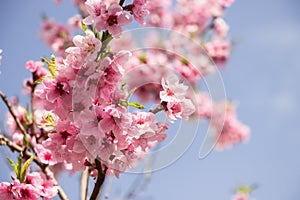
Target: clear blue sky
<point>262,74</point>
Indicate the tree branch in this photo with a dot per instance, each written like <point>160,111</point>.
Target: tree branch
<point>157,109</point>
<point>10,108</point>
<point>84,183</point>
<point>100,180</point>
<point>14,147</point>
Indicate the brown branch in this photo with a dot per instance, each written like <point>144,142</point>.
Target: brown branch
<point>121,2</point>
<point>100,180</point>
<point>157,109</point>
<point>14,147</point>
<point>84,183</point>
<point>10,108</point>
<point>32,105</point>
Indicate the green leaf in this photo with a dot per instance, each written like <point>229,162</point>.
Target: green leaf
<point>19,165</point>
<point>12,164</point>
<point>51,65</point>
<point>84,27</point>
<point>24,168</point>
<point>136,105</point>
<point>124,103</point>
<point>26,141</point>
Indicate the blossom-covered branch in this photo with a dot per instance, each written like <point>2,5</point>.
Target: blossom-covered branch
<point>14,147</point>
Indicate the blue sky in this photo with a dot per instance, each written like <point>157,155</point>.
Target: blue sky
<point>262,75</point>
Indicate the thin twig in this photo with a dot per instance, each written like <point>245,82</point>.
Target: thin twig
<point>14,147</point>
<point>84,183</point>
<point>157,109</point>
<point>32,106</point>
<point>10,108</point>
<point>100,180</point>
<point>121,2</point>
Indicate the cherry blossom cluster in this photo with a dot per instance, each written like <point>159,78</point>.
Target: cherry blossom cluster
<point>34,187</point>
<point>87,106</point>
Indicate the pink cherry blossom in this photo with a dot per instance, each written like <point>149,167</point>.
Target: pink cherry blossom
<point>140,11</point>
<point>75,22</point>
<point>220,26</point>
<point>37,68</point>
<point>173,90</point>
<point>87,44</point>
<point>231,131</point>
<point>241,196</point>
<point>7,191</point>
<point>113,20</point>
<point>95,9</point>
<point>219,50</point>
<point>45,155</point>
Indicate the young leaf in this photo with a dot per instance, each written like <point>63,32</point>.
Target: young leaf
<point>84,27</point>
<point>12,164</point>
<point>136,105</point>
<point>51,65</point>
<point>24,168</point>
<point>19,165</point>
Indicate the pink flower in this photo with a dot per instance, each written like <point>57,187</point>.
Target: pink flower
<point>37,68</point>
<point>220,26</point>
<point>87,45</point>
<point>173,90</point>
<point>205,105</point>
<point>241,196</point>
<point>7,191</point>
<point>219,50</point>
<point>75,22</point>
<point>45,187</point>
<point>45,155</point>
<point>181,109</point>
<point>27,192</point>
<point>95,9</point>
<point>229,132</point>
<point>113,20</point>
<point>140,11</point>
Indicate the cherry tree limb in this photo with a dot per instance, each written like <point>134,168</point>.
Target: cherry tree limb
<point>10,108</point>
<point>100,180</point>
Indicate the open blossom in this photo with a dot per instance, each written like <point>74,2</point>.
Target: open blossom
<point>219,50</point>
<point>86,45</point>
<point>230,131</point>
<point>140,11</point>
<point>34,187</point>
<point>113,20</point>
<point>173,90</point>
<point>174,96</point>
<point>220,26</point>
<point>181,109</point>
<point>7,191</point>
<point>75,22</point>
<point>95,9</point>
<point>37,68</point>
<point>45,155</point>
<point>57,36</point>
